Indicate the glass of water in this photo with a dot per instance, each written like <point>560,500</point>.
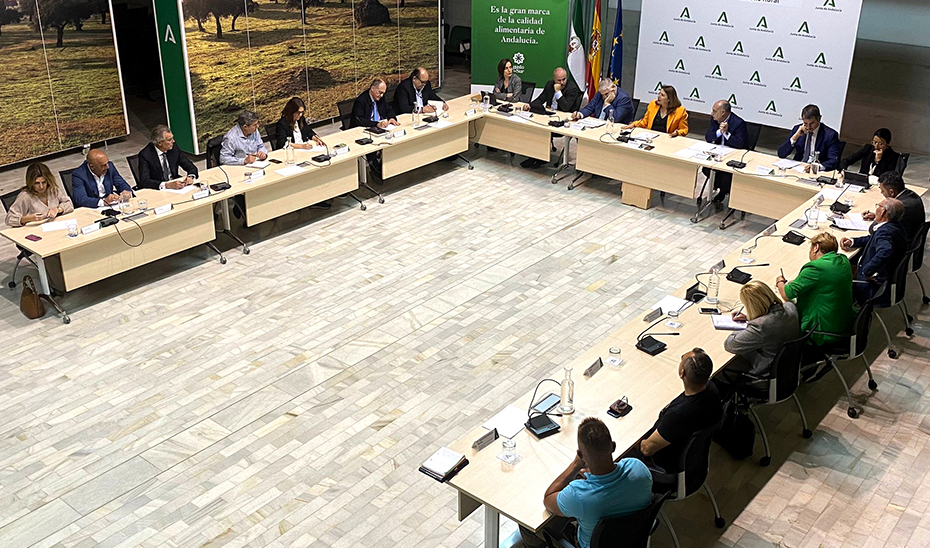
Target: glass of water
<point>485,103</point>
<point>72,230</point>
<point>509,450</point>
<point>143,204</point>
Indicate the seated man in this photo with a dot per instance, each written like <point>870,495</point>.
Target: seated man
<point>891,185</point>
<point>243,144</point>
<point>560,94</point>
<point>159,162</point>
<point>725,129</point>
<point>605,488</point>
<point>884,249</point>
<point>416,91</point>
<point>812,136</point>
<point>609,103</point>
<point>697,408</point>
<point>371,109</point>
<point>97,182</point>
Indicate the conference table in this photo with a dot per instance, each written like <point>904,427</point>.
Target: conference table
<point>70,263</point>
<point>649,383</point>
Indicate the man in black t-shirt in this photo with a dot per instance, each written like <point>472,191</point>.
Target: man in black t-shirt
<point>695,409</point>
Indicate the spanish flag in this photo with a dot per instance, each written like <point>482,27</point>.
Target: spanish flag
<point>594,52</point>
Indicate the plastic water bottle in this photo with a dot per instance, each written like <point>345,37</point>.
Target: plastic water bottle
<point>816,166</point>
<point>567,405</point>
<point>289,152</point>
<point>416,116</point>
<point>813,216</point>
<point>713,287</point>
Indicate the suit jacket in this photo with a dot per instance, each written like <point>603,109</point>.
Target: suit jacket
<point>883,251</point>
<point>515,89</point>
<point>151,173</point>
<point>405,96</point>
<point>283,130</point>
<point>763,336</point>
<point>621,109</point>
<point>828,143</point>
<point>677,119</point>
<point>914,214</point>
<point>84,185</point>
<point>361,110</point>
<point>739,133</point>
<point>568,102</point>
<point>888,163</point>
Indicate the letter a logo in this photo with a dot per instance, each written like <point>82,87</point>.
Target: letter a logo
<point>831,3</point>
<point>771,107</point>
<point>796,83</point>
<point>169,35</point>
<point>700,42</point>
<point>779,54</point>
<point>732,100</point>
<point>723,18</point>
<point>680,65</point>
<point>664,37</point>
<point>738,47</point>
<point>755,77</point>
<point>658,87</point>
<point>804,28</point>
<point>763,24</point>
<point>716,71</point>
<point>695,94</point>
<point>685,14</point>
<point>821,60</point>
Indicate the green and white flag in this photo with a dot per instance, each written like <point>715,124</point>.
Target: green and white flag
<point>577,58</point>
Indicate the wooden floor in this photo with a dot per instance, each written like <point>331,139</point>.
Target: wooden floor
<point>287,397</point>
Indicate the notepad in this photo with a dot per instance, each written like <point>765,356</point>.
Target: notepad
<point>259,164</point>
<point>852,221</point>
<point>646,135</point>
<point>440,124</point>
<point>58,225</point>
<point>509,422</point>
<point>785,164</point>
<point>443,463</point>
<point>185,190</point>
<point>290,170</point>
<point>672,303</point>
<point>725,322</point>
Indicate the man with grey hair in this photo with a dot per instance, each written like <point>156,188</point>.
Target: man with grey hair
<point>883,251</point>
<point>371,109</point>
<point>159,162</point>
<point>243,144</point>
<point>609,103</point>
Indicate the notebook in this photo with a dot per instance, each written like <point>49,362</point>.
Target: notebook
<point>725,322</point>
<point>443,464</point>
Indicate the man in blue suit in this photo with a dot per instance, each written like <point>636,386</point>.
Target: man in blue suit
<point>810,136</point>
<point>725,129</point>
<point>884,249</point>
<point>610,103</point>
<point>97,183</point>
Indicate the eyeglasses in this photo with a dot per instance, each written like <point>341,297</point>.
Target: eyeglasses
<point>300,112</point>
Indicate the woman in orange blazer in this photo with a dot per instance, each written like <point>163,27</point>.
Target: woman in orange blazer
<point>665,114</point>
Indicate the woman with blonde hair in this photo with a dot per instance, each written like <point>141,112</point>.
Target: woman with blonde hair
<point>769,324</point>
<point>41,200</point>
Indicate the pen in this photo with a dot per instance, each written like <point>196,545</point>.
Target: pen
<point>782,270</point>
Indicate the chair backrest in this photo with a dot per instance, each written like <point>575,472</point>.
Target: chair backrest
<point>785,375</point>
<point>133,162</point>
<point>753,129</point>
<point>917,250</point>
<point>65,177</point>
<point>899,279</point>
<point>842,148</point>
<point>863,323</point>
<point>630,530</point>
<point>635,107</point>
<point>271,135</point>
<point>8,199</point>
<point>214,146</point>
<point>902,162</point>
<point>345,113</point>
<point>695,462</point>
<point>526,95</point>
<point>457,35</point>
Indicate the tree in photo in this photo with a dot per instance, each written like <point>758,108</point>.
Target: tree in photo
<point>250,5</point>
<point>58,14</point>
<point>8,16</point>
<point>200,10</point>
<point>302,5</point>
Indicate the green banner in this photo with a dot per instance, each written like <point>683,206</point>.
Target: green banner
<point>533,33</point>
<point>174,73</point>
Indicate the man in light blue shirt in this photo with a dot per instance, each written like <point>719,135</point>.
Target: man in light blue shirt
<point>607,488</point>
<point>242,144</point>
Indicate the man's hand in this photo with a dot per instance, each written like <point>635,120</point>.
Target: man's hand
<point>576,116</point>
<point>868,216</point>
<point>724,128</point>
<point>383,124</point>
<point>558,87</point>
<point>111,199</point>
<point>846,244</point>
<point>126,195</point>
<point>428,109</point>
<point>526,107</point>
<point>176,185</point>
<point>807,168</point>
<point>261,155</point>
<point>393,122</point>
<point>799,133</point>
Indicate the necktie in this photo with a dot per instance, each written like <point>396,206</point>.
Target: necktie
<point>164,166</point>
<point>374,112</point>
<point>808,146</point>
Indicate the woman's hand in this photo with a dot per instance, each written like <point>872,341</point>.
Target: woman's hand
<point>738,316</point>
<point>52,213</point>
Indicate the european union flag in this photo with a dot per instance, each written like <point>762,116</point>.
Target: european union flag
<point>616,53</point>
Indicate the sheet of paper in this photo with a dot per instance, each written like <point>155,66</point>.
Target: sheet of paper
<point>440,123</point>
<point>58,225</point>
<point>185,190</point>
<point>671,302</point>
<point>391,127</point>
<point>830,194</point>
<point>290,170</point>
<point>508,422</point>
<point>725,322</point>
<point>690,153</point>
<point>800,168</point>
<point>315,149</point>
<point>646,135</point>
<point>590,122</point>
<point>702,146</point>
<point>259,164</point>
<point>853,221</point>
<point>786,164</point>
<point>723,150</point>
<point>762,170</point>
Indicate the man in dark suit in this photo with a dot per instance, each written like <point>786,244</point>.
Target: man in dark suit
<point>97,183</point>
<point>725,129</point>
<point>560,94</point>
<point>891,185</point>
<point>609,103</point>
<point>416,91</point>
<point>159,162</point>
<point>884,249</point>
<point>371,109</point>
<point>810,136</point>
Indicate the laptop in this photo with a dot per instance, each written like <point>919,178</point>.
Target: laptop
<point>540,109</point>
<point>856,178</point>
<point>493,99</point>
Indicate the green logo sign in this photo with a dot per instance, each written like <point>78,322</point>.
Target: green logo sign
<point>763,24</point>
<point>723,17</point>
<point>680,65</point>
<point>755,77</point>
<point>771,107</point>
<point>658,87</point>
<point>738,47</point>
<point>796,83</point>
<point>695,94</point>
<point>821,60</point>
<point>804,28</point>
<point>685,14</point>
<point>779,54</point>
<point>700,42</point>
<point>716,71</point>
<point>831,3</point>
<point>664,37</point>
<point>732,99</point>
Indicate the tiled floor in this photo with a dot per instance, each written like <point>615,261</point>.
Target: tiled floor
<point>287,397</point>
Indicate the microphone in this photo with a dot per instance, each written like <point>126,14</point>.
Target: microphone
<point>740,164</point>
<point>767,232</point>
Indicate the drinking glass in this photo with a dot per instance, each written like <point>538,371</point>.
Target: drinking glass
<point>510,450</point>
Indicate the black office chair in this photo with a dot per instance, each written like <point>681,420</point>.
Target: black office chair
<point>896,291</point>
<point>902,162</point>
<point>753,130</point>
<point>632,530</point>
<point>271,135</point>
<point>65,177</point>
<point>780,384</point>
<point>635,109</point>
<point>851,348</point>
<point>133,162</point>
<point>917,258</point>
<point>345,113</point>
<point>526,94</point>
<point>214,145</point>
<point>7,200</point>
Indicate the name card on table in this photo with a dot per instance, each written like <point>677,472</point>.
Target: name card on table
<point>762,170</point>
<point>470,112</point>
<point>340,149</point>
<point>89,229</point>
<point>400,133</point>
<point>161,210</point>
<point>205,193</point>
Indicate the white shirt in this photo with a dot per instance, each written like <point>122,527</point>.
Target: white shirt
<point>727,136</point>
<point>161,162</point>
<point>813,137</point>
<point>419,93</point>
<point>101,191</point>
<point>298,136</point>
<point>555,100</point>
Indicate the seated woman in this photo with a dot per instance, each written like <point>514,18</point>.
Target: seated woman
<point>41,200</point>
<point>509,86</point>
<point>877,157</point>
<point>664,115</point>
<point>293,124</point>
<point>769,325</point>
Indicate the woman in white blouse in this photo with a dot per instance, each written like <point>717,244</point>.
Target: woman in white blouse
<point>41,200</point>
<point>293,124</point>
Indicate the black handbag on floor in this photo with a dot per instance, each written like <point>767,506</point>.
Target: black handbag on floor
<point>737,433</point>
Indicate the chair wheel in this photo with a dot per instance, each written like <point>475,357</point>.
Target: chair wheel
<point>926,300</point>
<point>246,251</point>
<point>553,181</point>
<point>694,219</point>
<point>363,207</point>
<point>765,461</point>
<point>571,187</point>
<point>720,522</point>
<point>66,319</point>
<point>722,226</point>
<point>892,354</point>
<point>807,434</point>
<point>471,168</point>
<point>910,319</point>
<point>909,332</point>
<point>853,414</point>
<point>12,285</point>
<point>873,386</point>
<point>222,260</point>
<point>380,200</point>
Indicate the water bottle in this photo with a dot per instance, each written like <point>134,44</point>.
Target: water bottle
<point>416,116</point>
<point>486,103</point>
<point>816,167</point>
<point>567,405</point>
<point>713,287</point>
<point>289,152</point>
<point>813,216</point>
